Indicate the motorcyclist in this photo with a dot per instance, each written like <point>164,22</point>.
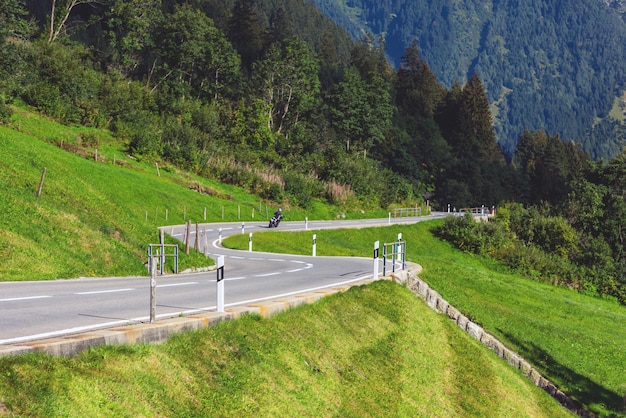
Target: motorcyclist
<point>278,215</point>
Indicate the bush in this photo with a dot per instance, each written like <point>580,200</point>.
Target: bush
<point>476,237</point>
<point>5,112</point>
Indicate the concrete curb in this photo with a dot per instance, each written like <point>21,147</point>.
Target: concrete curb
<point>433,299</point>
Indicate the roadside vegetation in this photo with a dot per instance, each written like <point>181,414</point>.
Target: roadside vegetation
<point>372,351</point>
<point>576,341</point>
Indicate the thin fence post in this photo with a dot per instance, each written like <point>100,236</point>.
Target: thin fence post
<point>43,177</point>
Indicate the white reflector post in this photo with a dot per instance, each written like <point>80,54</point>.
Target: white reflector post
<point>376,247</point>
<point>220,283</point>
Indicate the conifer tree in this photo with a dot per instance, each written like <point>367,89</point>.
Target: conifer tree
<point>417,90</point>
<point>476,124</point>
<point>246,32</point>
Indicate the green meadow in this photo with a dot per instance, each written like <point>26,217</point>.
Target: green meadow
<point>576,341</point>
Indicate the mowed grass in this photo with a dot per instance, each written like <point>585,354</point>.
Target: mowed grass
<point>372,351</point>
<point>578,342</point>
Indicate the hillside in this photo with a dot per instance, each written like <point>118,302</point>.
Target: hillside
<point>546,64</point>
<point>372,351</point>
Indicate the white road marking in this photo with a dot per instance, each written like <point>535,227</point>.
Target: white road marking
<point>104,291</point>
<point>24,298</point>
<point>177,284</point>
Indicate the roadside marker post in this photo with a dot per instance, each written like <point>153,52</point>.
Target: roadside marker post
<point>250,242</point>
<point>219,235</point>
<point>314,244</point>
<point>220,283</point>
<point>243,228</point>
<point>306,223</point>
<point>399,255</point>
<point>376,247</point>
<point>389,218</point>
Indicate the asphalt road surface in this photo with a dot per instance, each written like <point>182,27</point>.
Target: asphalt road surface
<point>43,309</point>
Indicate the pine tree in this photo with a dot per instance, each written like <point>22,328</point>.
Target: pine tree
<point>417,90</point>
<point>476,123</point>
<point>246,32</point>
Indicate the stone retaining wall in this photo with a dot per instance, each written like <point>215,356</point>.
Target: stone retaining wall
<point>436,302</point>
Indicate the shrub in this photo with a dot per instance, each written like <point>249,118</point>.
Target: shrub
<point>5,112</point>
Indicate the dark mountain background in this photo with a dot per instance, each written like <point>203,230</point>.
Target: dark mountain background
<point>553,65</point>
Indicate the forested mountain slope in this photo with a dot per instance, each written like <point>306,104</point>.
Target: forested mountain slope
<point>546,64</point>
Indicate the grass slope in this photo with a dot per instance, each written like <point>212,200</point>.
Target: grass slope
<point>372,351</point>
<point>97,218</point>
<point>574,340</point>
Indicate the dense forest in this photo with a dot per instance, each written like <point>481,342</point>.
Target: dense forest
<point>274,97</point>
<point>545,64</point>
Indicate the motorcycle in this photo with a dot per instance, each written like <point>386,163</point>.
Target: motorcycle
<point>275,221</point>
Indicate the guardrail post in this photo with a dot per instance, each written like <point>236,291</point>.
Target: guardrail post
<point>398,250</point>
<point>152,292</point>
<point>384,259</point>
<point>376,247</point>
<point>220,283</point>
<point>314,244</point>
<point>162,241</point>
<point>404,256</point>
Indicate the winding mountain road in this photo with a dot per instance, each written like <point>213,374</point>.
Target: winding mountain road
<point>36,310</point>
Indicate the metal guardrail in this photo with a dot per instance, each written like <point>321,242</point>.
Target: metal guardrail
<point>406,212</point>
<point>396,252</point>
<point>157,254</point>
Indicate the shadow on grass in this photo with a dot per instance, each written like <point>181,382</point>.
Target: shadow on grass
<point>593,396</point>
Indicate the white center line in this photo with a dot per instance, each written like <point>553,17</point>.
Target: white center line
<point>104,291</point>
<point>24,298</point>
<point>176,284</point>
